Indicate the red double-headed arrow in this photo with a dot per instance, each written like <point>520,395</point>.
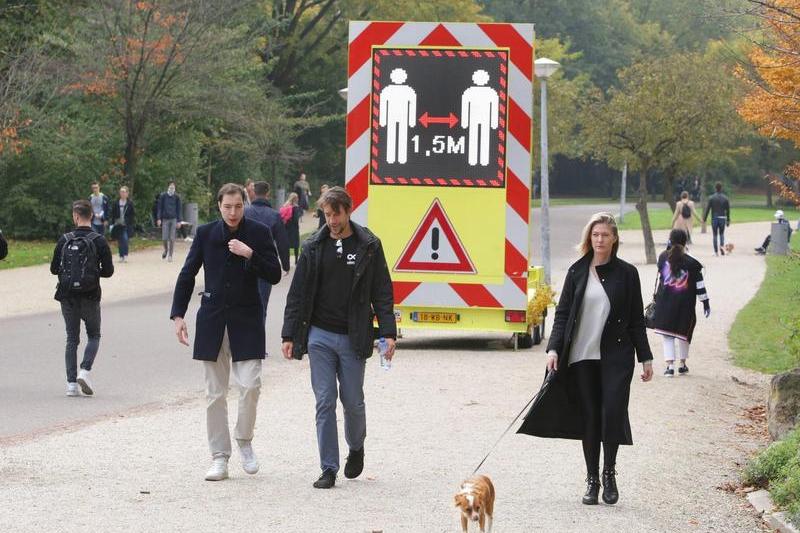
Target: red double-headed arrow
<point>451,120</point>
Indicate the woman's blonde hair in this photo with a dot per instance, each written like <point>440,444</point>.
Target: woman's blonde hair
<point>124,188</point>
<point>292,199</point>
<point>585,246</point>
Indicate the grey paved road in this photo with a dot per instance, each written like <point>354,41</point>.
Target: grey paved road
<point>140,363</point>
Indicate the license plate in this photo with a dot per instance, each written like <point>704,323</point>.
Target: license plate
<point>436,318</point>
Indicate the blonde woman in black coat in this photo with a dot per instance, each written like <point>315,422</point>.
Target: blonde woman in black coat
<point>598,326</point>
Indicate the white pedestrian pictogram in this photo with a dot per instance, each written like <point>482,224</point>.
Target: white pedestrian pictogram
<point>479,113</point>
<point>398,113</point>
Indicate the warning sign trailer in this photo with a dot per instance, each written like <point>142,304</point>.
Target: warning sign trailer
<point>439,166</point>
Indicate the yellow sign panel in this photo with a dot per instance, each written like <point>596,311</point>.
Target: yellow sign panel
<point>477,217</point>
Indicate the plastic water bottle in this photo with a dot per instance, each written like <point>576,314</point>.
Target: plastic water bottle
<point>383,347</point>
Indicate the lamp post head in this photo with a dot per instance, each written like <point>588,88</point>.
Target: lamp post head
<point>544,67</point>
<point>343,93</point>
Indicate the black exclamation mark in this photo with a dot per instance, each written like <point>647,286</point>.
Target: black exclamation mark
<point>435,243</point>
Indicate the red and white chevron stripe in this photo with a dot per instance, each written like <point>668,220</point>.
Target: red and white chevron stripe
<point>518,39</point>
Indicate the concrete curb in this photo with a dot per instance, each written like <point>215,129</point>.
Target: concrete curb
<point>777,521</point>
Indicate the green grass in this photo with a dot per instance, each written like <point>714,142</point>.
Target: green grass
<point>766,333</point>
<point>661,217</point>
<point>29,253</point>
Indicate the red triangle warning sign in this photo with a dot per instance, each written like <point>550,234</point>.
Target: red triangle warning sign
<point>434,247</point>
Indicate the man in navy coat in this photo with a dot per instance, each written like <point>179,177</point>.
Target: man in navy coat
<point>234,253</point>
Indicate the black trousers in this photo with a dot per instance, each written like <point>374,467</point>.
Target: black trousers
<point>587,383</point>
<point>77,310</point>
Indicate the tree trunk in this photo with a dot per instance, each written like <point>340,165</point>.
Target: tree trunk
<point>131,162</point>
<point>769,190</point>
<point>641,207</point>
<point>669,185</point>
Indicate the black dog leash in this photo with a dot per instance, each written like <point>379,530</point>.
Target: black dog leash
<point>547,379</point>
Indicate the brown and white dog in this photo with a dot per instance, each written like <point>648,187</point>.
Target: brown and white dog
<point>728,247</point>
<point>475,499</point>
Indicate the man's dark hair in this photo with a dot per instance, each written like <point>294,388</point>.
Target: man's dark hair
<point>231,188</point>
<point>171,182</point>
<point>82,208</point>
<point>261,188</point>
<point>337,198</point>
<point>95,183</point>
<point>718,186</point>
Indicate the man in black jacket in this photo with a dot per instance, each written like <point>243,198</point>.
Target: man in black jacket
<point>234,252</point>
<point>720,209</point>
<point>168,218</point>
<point>81,304</point>
<point>341,282</point>
<point>261,210</point>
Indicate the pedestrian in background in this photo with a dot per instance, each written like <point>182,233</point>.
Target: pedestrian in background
<point>168,218</point>
<point>123,218</point>
<point>80,258</point>
<point>341,282</point>
<point>680,285</point>
<point>598,326</point>
<point>685,215</point>
<point>291,213</point>
<point>234,253</point>
<point>320,214</point>
<point>100,212</point>
<point>780,218</point>
<point>261,210</point>
<point>303,191</point>
<point>720,209</point>
<point>249,188</point>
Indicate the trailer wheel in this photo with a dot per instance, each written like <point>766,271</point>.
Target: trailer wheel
<point>524,340</point>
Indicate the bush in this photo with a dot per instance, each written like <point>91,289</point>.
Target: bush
<point>778,469</point>
<point>768,464</point>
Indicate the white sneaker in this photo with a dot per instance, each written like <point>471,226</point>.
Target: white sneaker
<point>249,459</point>
<point>218,470</point>
<point>85,382</point>
<point>72,389</point>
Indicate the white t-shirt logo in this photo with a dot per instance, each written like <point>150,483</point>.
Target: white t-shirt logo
<point>351,259</point>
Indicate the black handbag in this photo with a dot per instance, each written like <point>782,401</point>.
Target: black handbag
<point>650,310</point>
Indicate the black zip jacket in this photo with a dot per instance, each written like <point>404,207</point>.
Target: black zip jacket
<point>371,294</point>
<point>719,206</point>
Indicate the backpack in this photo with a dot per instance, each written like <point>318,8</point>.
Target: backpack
<point>79,270</point>
<point>286,213</point>
<point>686,211</point>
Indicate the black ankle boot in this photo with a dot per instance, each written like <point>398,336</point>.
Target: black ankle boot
<point>592,488</point>
<point>610,492</point>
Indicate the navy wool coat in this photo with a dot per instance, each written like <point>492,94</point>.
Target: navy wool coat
<point>558,413</point>
<point>230,298</point>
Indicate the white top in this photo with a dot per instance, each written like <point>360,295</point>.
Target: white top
<point>591,321</point>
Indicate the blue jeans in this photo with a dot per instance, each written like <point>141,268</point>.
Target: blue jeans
<point>718,227</point>
<point>98,228</point>
<point>76,310</point>
<point>332,357</point>
<point>123,242</point>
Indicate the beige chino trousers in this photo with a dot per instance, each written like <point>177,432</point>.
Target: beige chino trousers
<point>247,375</point>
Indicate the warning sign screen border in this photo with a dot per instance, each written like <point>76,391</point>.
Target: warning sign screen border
<point>499,180</point>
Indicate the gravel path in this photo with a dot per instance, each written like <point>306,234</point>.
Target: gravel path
<point>431,419</point>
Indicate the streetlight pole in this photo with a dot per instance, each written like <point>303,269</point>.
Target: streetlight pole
<point>544,68</point>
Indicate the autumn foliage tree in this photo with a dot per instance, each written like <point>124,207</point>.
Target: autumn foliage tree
<point>773,102</point>
<point>141,57</point>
